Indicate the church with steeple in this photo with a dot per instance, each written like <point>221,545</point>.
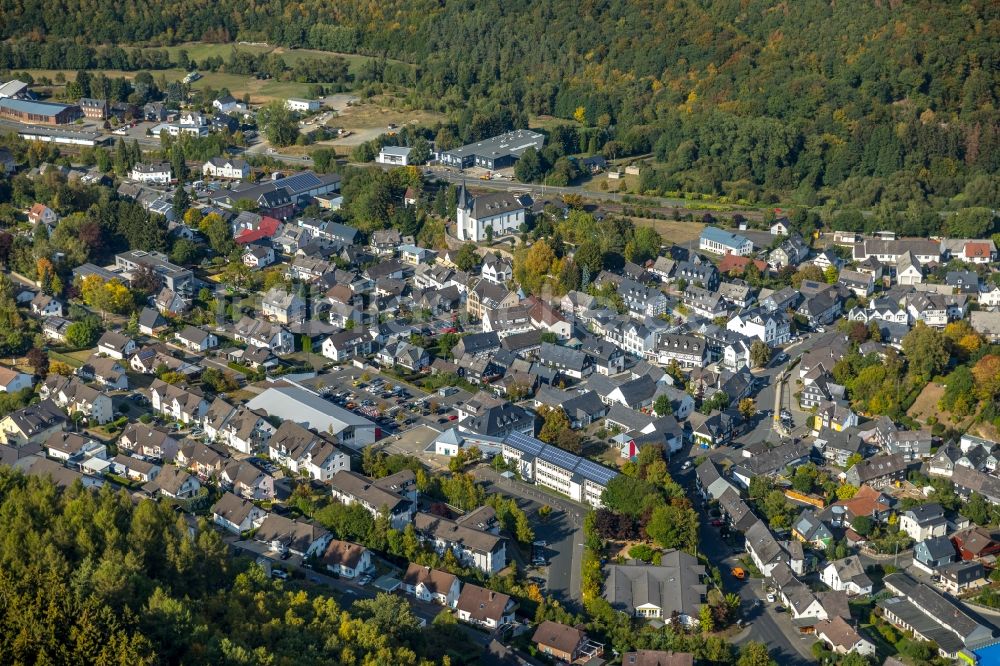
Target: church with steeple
<point>489,215</point>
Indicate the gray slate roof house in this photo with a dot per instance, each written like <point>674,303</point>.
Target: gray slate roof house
<point>658,591</point>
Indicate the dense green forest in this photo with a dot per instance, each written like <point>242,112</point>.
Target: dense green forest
<point>856,102</point>
<point>96,578</point>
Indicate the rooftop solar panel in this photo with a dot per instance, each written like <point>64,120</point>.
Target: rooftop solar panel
<point>557,456</point>
<point>524,443</point>
<point>594,472</point>
<point>299,182</point>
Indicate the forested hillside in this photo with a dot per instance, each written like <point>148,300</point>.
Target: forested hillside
<point>95,578</point>
<point>748,98</point>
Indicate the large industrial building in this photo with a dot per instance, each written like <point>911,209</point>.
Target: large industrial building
<point>44,113</point>
<point>496,153</point>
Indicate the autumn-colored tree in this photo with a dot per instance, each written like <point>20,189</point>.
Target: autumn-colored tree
<point>555,421</point>
<point>106,296</point>
<point>986,372</point>
<point>531,266</point>
<point>748,408</point>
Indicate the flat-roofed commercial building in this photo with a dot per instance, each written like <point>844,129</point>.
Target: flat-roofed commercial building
<point>45,113</point>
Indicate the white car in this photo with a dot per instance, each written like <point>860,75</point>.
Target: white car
<point>770,597</point>
<point>686,465</point>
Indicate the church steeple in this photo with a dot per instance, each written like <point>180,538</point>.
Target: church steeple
<point>462,196</point>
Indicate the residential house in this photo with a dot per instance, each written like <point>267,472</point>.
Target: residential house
<point>74,396</point>
<point>976,543</point>
<point>878,472</point>
<point>909,270</point>
<point>141,439</point>
<point>569,362</point>
<point>154,172</point>
<point>134,469</point>
<point>257,256</point>
<point>377,495</point>
<point>196,339</point>
<point>932,553</point>
<point>842,638</point>
<point>172,482</point>
<point>772,328</point>
<point>305,452</point>
<point>296,537</point>
<point>431,585</point>
<point>861,284</point>
<point>151,322</point>
<point>347,344</point>
<point>283,307</point>
<point>228,168</point>
<point>847,575</point>
<point>790,252</point>
<point>686,350</point>
<point>116,345</point>
<point>73,448</point>
<point>105,371</point>
<point>497,268</point>
<point>247,480</point>
<point>265,335</point>
<point>607,358</point>
<point>808,528</point>
<point>472,547</point>
<point>12,381</point>
<point>960,577</point>
<point>484,607</point>
<point>564,643</point>
<point>237,514</point>
<point>346,559</point>
<point>924,521</point>
<point>177,402</point>
<point>44,305</point>
<point>39,213</point>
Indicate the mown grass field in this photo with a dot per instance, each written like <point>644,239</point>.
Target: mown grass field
<point>199,51</point>
<point>671,230</point>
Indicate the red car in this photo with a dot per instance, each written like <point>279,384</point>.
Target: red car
<point>716,523</point>
<point>453,417</point>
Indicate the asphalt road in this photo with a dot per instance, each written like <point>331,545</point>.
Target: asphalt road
<point>563,532</point>
<point>786,648</point>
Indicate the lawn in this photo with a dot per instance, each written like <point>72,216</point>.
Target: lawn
<point>72,359</point>
<point>675,231</point>
<point>260,90</point>
<point>198,51</point>
<point>926,405</point>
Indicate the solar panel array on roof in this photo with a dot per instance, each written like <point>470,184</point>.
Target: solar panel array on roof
<point>594,472</point>
<point>521,442</point>
<point>564,459</point>
<point>559,457</point>
<point>299,182</point>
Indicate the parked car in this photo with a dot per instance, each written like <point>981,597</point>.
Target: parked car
<point>770,597</point>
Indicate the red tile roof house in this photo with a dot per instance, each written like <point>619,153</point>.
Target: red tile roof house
<point>267,228</point>
<point>975,543</point>
<point>735,264</point>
